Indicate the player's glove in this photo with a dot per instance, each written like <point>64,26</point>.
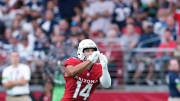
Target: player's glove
<point>103,61</point>
<point>94,56</point>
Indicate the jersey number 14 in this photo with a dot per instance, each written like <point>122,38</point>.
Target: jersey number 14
<point>84,92</point>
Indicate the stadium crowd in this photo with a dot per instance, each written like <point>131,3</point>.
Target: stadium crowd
<point>45,31</point>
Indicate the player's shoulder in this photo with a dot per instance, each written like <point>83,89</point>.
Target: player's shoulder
<point>72,59</point>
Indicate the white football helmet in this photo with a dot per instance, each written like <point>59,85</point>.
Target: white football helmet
<point>86,43</point>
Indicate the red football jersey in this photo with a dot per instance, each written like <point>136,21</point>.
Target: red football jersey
<point>81,87</point>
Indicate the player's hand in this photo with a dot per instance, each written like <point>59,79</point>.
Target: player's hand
<point>103,61</point>
<point>94,56</point>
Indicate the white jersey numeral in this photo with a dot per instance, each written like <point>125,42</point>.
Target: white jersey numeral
<point>84,92</point>
<point>77,89</point>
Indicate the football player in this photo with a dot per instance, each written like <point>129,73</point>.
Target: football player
<point>84,74</point>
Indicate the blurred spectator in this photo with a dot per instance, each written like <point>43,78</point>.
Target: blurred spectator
<point>16,79</point>
<point>120,13</point>
<point>66,8</point>
<point>160,26</point>
<point>42,42</point>
<point>130,39</point>
<point>47,94</point>
<point>7,36</point>
<point>83,35</point>
<point>149,6</point>
<point>128,42</point>
<point>144,60</point>
<point>12,45</point>
<point>25,50</point>
<point>78,13</point>
<point>85,27</point>
<point>130,20</point>
<point>86,11</point>
<point>164,3</point>
<point>115,28</point>
<point>112,34</point>
<point>148,39</point>
<point>58,38</point>
<point>34,5</point>
<point>140,15</point>
<point>28,31</point>
<point>101,12</point>
<point>16,27</point>
<point>173,80</point>
<point>58,82</point>
<point>9,9</point>
<point>64,28</point>
<point>57,47</point>
<point>72,44</point>
<point>48,22</point>
<point>53,6</point>
<point>172,26</point>
<point>62,49</point>
<point>97,35</point>
<point>75,27</point>
<point>33,9</point>
<point>169,43</point>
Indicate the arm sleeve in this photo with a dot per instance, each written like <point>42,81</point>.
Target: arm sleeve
<point>105,79</point>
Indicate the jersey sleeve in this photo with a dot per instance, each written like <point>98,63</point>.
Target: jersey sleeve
<point>71,61</point>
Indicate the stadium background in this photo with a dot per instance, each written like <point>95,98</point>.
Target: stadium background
<point>138,37</point>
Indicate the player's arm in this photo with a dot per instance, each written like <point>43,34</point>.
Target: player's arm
<point>105,79</point>
<point>75,70</point>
